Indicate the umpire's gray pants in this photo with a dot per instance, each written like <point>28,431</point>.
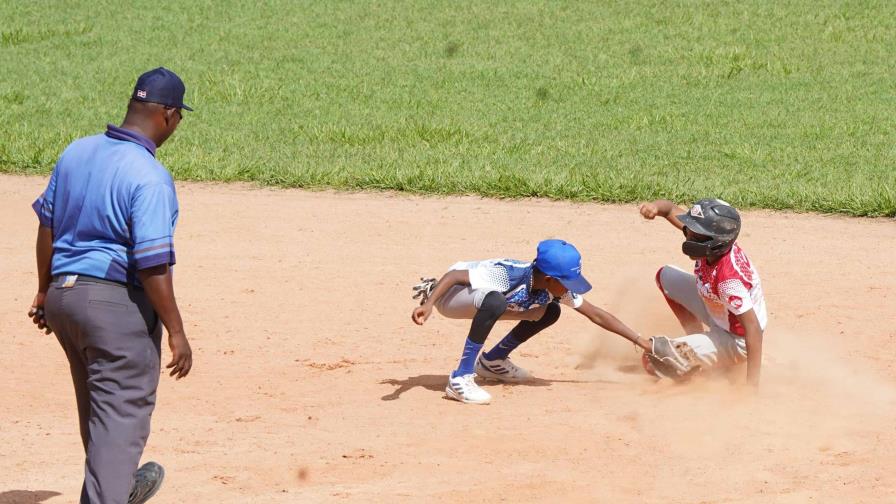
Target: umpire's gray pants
<point>111,336</point>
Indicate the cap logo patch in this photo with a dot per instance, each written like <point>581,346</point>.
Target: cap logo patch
<point>696,211</point>
<point>141,93</point>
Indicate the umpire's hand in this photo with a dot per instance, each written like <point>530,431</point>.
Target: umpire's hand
<point>181,355</point>
<point>159,287</point>
<point>36,313</point>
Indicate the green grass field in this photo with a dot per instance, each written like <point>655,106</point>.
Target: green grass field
<point>777,106</point>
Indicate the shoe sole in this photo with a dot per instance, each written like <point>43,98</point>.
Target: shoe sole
<point>457,397</point>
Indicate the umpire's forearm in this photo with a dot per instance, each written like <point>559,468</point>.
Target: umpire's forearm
<point>159,287</point>
<point>44,253</point>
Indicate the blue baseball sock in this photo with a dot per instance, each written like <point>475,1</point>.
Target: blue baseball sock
<point>468,359</point>
<point>503,348</point>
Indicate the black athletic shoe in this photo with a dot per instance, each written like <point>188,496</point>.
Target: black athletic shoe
<point>147,481</point>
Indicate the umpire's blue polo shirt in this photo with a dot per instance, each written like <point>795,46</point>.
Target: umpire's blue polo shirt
<point>112,207</point>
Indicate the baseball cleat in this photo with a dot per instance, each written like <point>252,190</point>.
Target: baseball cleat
<point>147,481</point>
<point>464,389</point>
<point>502,370</point>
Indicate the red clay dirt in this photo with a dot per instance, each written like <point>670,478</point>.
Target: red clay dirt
<point>311,383</point>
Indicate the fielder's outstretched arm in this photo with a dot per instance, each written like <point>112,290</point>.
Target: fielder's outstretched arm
<point>606,320</point>
<point>448,280</point>
<point>753,337</point>
<point>665,209</point>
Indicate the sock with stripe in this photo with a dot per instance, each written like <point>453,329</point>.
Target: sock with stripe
<point>502,349</point>
<point>468,359</point>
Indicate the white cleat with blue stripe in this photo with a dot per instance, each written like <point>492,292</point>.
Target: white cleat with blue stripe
<point>464,389</point>
<point>502,370</point>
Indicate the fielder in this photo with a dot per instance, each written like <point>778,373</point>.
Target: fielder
<point>104,256</point>
<point>724,293</point>
<point>507,289</point>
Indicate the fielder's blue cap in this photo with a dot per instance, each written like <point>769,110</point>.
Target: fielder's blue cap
<point>561,260</point>
<point>161,86</point>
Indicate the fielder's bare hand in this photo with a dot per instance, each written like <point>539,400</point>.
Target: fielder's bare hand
<point>181,355</point>
<point>421,313</point>
<point>36,313</point>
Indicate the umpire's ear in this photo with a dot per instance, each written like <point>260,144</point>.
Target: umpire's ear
<point>173,115</point>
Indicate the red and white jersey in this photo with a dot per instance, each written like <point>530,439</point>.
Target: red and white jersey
<point>730,287</point>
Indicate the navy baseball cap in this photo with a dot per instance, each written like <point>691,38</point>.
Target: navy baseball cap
<point>161,86</point>
<point>561,260</point>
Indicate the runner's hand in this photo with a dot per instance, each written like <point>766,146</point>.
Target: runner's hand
<point>649,211</point>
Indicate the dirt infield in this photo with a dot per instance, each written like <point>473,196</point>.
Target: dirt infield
<point>311,384</point>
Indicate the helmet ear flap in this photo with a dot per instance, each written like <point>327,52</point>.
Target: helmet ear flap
<point>709,250</point>
<point>720,246</point>
<point>695,249</point>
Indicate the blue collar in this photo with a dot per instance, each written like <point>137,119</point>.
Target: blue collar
<point>117,133</point>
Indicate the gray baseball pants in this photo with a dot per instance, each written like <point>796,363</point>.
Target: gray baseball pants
<point>111,336</point>
<point>715,346</point>
<point>462,302</point>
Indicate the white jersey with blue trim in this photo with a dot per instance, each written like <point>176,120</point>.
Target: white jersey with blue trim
<point>513,279</point>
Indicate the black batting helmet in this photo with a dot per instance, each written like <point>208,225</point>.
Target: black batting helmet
<point>715,219</point>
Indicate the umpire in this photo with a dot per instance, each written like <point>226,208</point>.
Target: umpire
<point>104,256</point>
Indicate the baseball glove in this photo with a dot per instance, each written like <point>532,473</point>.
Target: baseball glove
<point>423,289</point>
<point>672,359</point>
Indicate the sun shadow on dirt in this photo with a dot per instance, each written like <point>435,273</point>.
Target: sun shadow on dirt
<point>437,383</point>
<point>26,496</point>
